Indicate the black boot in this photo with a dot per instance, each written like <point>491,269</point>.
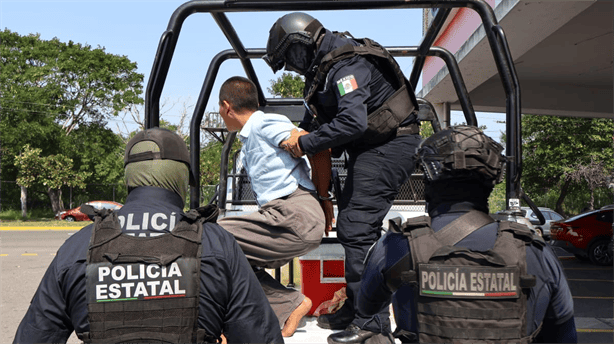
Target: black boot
<point>338,320</point>
<point>352,334</point>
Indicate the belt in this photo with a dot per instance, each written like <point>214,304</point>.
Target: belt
<point>411,129</point>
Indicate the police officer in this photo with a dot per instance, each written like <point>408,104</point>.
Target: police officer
<point>359,102</point>
<point>457,275</point>
<point>150,272</point>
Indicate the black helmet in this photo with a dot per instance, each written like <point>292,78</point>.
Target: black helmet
<point>462,151</point>
<point>292,28</point>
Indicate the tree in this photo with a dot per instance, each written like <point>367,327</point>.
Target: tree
<point>79,84</point>
<point>53,171</point>
<point>554,147</point>
<point>594,175</point>
<point>288,85</point>
<point>57,97</point>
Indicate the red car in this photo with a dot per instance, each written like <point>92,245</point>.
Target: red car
<point>587,236</point>
<point>75,214</point>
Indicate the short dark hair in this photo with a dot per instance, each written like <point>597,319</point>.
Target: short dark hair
<point>241,93</point>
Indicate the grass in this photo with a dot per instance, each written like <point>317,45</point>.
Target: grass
<point>35,218</point>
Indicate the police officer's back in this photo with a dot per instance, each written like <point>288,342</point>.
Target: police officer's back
<point>457,275</point>
<point>150,272</point>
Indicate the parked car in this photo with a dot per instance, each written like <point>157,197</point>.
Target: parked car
<point>504,216</point>
<point>75,214</point>
<point>587,236</point>
<point>550,216</point>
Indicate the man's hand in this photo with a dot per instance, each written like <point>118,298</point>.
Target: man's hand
<point>291,144</point>
<point>329,215</point>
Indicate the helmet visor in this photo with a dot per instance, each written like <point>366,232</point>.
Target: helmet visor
<point>298,58</point>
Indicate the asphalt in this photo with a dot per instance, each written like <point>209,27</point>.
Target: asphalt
<point>25,253</point>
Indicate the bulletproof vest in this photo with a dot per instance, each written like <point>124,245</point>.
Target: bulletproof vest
<point>385,120</point>
<point>467,296</point>
<point>145,290</point>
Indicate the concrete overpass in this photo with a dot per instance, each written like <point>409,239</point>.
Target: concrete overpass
<point>562,51</point>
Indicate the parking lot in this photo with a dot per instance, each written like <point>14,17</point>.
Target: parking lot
<point>25,255</point>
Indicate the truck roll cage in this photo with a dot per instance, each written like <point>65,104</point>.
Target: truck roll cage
<point>293,108</point>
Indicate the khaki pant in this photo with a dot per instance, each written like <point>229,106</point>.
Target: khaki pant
<point>271,237</point>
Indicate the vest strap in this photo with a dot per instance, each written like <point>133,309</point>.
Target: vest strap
<point>460,228</point>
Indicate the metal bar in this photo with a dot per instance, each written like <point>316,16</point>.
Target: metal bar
<point>427,43</point>
<point>199,109</point>
<point>230,33</point>
<point>197,117</point>
<point>507,73</point>
<point>291,274</point>
<point>455,74</point>
<point>224,168</point>
<point>169,38</point>
<point>513,123</point>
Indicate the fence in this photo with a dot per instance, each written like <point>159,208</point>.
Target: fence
<point>38,198</point>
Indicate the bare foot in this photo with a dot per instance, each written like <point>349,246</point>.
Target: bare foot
<point>295,318</point>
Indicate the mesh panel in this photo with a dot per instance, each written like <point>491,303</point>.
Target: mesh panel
<point>411,192</point>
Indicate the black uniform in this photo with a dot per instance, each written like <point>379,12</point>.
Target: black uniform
<point>353,88</point>
<point>549,302</point>
<point>231,299</point>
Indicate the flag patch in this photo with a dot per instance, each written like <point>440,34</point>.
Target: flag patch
<point>347,84</point>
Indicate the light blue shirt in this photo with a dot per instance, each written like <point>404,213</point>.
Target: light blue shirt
<point>273,172</point>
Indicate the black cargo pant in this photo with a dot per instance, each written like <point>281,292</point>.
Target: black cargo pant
<point>373,181</point>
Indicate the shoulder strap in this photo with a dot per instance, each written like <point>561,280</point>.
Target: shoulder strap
<point>460,228</point>
<point>366,47</point>
<point>191,226</point>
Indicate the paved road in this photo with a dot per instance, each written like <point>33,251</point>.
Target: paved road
<point>25,255</point>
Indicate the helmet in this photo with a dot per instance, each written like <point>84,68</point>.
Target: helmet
<point>461,152</point>
<point>290,29</point>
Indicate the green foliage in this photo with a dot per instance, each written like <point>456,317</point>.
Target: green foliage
<point>288,85</point>
<point>426,129</point>
<point>97,150</point>
<point>72,83</point>
<point>554,147</point>
<point>210,158</point>
<point>496,201</point>
<point>57,98</point>
<point>53,171</point>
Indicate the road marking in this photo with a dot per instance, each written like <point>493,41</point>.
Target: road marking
<point>3,255</point>
<point>26,228</point>
<point>29,254</point>
<point>598,330</point>
<point>593,297</point>
<point>589,280</point>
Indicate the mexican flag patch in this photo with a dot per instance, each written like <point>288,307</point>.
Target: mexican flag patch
<point>346,85</point>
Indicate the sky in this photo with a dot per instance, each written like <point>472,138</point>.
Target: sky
<point>133,28</point>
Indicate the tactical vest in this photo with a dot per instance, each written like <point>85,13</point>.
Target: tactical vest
<point>145,290</point>
<point>382,123</point>
<point>466,296</point>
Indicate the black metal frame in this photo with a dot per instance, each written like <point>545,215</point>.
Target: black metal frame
<point>218,8</point>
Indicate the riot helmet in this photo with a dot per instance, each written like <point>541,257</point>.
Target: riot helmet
<point>462,152</point>
<point>292,42</point>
